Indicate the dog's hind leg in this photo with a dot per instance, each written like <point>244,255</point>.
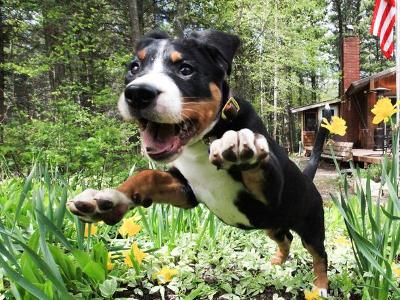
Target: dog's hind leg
<point>314,243</point>
<point>284,239</point>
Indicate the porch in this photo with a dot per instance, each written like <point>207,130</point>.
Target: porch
<point>366,156</point>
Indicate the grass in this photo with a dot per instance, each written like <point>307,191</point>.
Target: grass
<point>45,254</point>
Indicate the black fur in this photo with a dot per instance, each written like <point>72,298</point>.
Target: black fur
<point>293,202</point>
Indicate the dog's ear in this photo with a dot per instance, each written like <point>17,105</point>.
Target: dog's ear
<point>150,37</point>
<point>226,44</point>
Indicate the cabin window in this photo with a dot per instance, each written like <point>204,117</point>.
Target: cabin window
<point>310,121</point>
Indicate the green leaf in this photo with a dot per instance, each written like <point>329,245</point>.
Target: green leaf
<point>19,279</point>
<point>100,254</point>
<point>25,190</point>
<point>389,215</point>
<point>82,257</point>
<point>54,229</point>
<point>67,265</point>
<point>95,271</point>
<point>108,287</point>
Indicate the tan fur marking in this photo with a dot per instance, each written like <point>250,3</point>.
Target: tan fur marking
<point>142,54</point>
<point>283,250</point>
<point>203,111</point>
<point>159,186</point>
<point>253,179</point>
<point>319,264</point>
<point>176,56</point>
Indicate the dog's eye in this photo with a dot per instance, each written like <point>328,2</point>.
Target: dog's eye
<point>135,67</point>
<point>186,69</point>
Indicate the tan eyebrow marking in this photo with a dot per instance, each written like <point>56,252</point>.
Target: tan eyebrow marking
<point>142,54</point>
<point>176,56</point>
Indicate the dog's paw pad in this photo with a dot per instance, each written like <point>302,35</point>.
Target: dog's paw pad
<point>242,147</point>
<point>85,206</point>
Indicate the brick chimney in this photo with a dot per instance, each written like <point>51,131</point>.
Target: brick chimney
<point>350,62</point>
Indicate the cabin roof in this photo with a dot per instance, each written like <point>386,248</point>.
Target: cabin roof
<point>315,105</point>
<point>362,84</point>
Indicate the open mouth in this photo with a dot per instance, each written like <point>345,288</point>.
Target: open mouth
<point>162,140</point>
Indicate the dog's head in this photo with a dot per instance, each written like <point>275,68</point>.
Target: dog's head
<point>173,89</point>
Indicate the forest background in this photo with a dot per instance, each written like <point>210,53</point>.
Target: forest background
<point>62,65</point>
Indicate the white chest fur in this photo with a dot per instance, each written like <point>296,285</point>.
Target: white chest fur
<point>215,188</point>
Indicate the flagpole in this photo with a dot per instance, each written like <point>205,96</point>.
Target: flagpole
<point>397,47</point>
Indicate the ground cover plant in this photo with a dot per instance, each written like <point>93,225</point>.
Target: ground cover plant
<point>156,253</point>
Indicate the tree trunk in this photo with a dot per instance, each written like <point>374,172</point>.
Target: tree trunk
<point>3,38</point>
<point>275,72</point>
<point>291,129</point>
<point>314,87</point>
<point>275,100</point>
<point>180,12</point>
<point>50,31</point>
<point>338,7</point>
<point>136,31</point>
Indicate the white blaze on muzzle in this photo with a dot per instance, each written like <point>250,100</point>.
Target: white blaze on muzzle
<point>167,106</point>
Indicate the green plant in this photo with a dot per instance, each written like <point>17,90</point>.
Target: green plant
<point>374,229</point>
<point>38,252</point>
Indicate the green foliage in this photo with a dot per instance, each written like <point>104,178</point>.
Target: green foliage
<point>45,255</point>
<point>76,140</point>
<point>374,228</point>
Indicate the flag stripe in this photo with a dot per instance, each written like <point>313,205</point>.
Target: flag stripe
<point>379,13</point>
<point>383,21</point>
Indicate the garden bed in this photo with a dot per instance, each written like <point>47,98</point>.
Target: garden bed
<point>211,260</point>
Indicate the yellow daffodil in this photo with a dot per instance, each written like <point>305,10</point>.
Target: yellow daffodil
<point>109,262</point>
<point>312,295</point>
<point>137,253</point>
<point>383,110</point>
<point>93,230</point>
<point>336,126</point>
<point>129,227</point>
<point>165,275</point>
<point>396,270</point>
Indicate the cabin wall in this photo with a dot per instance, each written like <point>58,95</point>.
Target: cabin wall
<point>308,134</point>
<point>356,110</point>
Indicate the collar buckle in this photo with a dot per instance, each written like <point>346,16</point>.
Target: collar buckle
<point>230,110</point>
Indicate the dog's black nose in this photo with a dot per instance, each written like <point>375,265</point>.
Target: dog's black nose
<point>140,96</point>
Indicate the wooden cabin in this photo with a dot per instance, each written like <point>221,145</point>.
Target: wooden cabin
<point>357,98</point>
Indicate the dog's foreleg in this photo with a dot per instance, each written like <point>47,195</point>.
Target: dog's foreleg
<point>142,189</point>
<point>248,153</point>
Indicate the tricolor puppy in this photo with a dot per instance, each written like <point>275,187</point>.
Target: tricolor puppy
<point>176,91</point>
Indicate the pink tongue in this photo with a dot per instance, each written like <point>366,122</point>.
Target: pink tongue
<point>159,138</point>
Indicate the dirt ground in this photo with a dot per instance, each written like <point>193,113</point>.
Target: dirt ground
<point>326,178</point>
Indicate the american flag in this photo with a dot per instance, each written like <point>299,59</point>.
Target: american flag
<point>382,25</point>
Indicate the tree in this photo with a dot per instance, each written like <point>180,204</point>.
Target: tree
<point>3,39</point>
<point>133,6</point>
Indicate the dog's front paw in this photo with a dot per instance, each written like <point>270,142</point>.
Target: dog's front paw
<point>242,148</point>
<point>107,205</point>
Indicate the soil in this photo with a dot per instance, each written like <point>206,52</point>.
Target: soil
<point>266,295</point>
<point>326,178</point>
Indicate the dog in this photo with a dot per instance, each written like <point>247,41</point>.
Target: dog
<point>218,149</point>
